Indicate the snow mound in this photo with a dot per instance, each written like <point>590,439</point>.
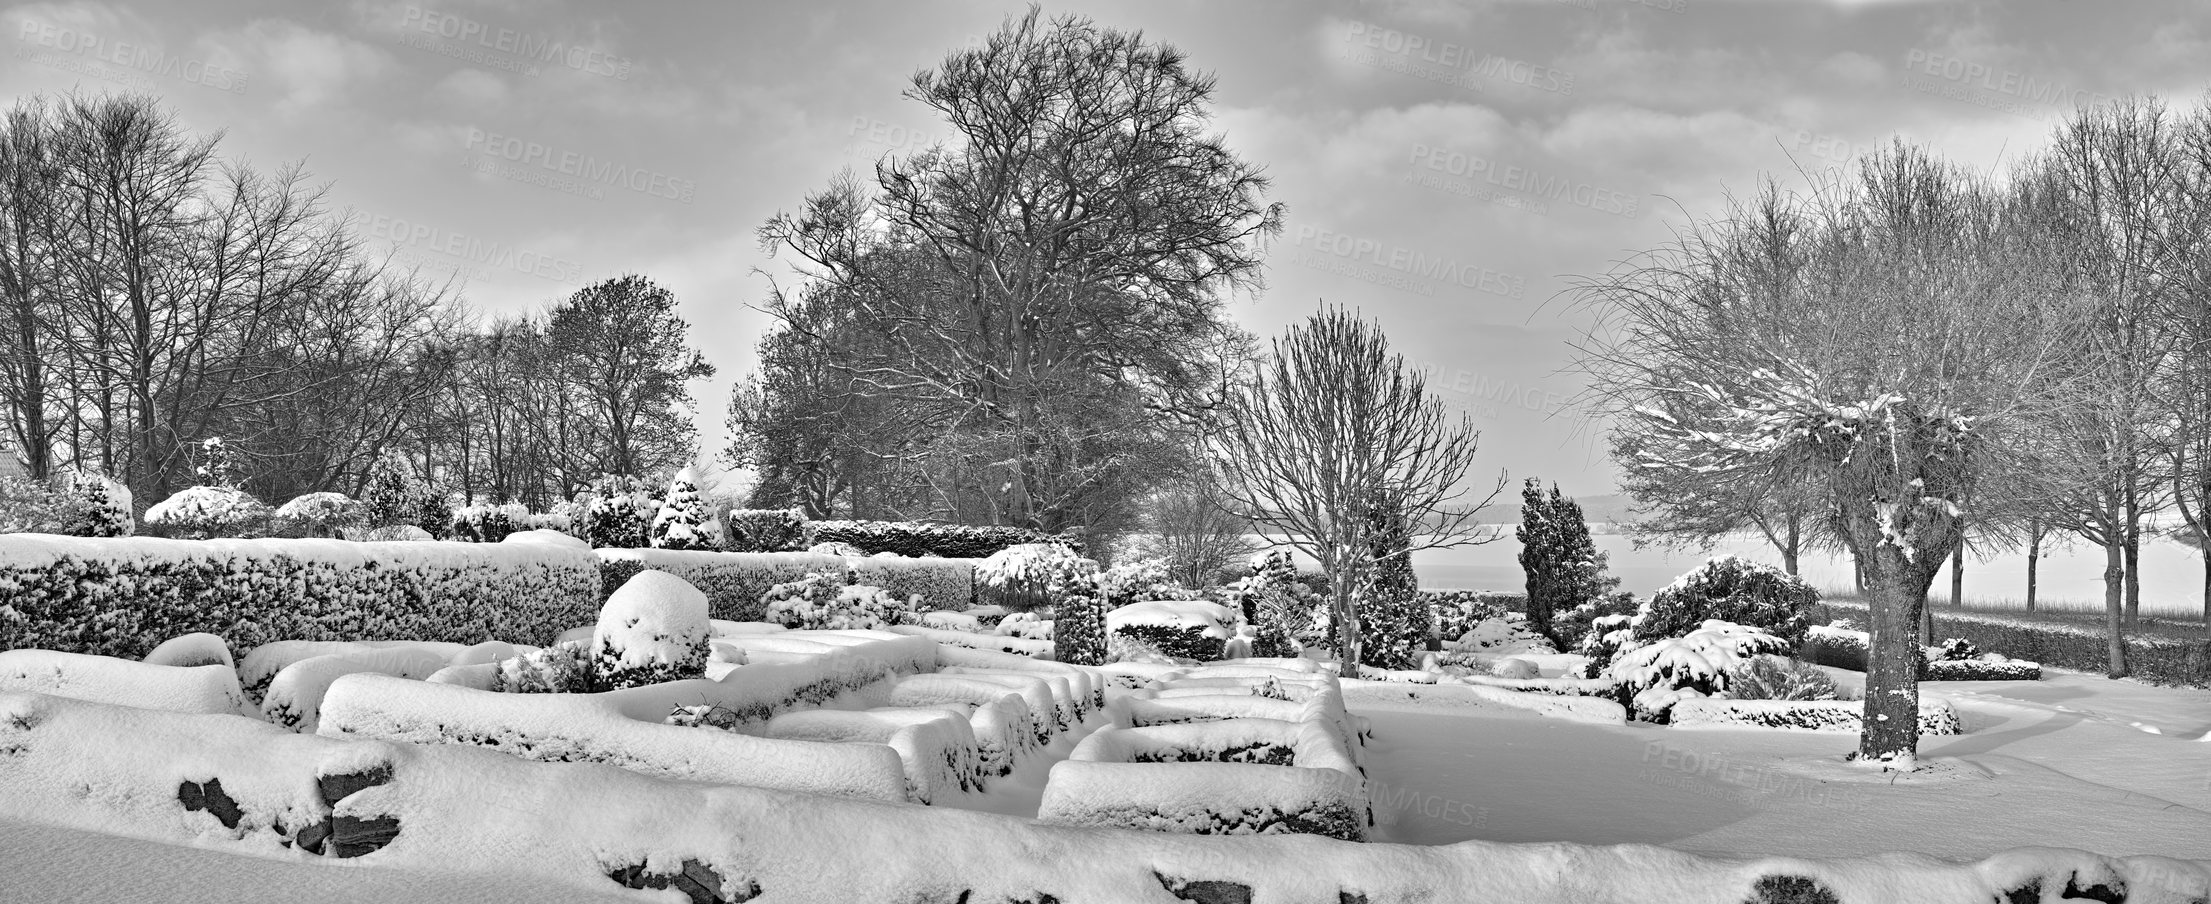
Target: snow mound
<point>1214,619</point>
<point>547,537</point>
<point>123,682</point>
<point>294,697</point>
<point>1002,643</point>
<point>1231,777</point>
<point>198,648</point>
<point>263,662</point>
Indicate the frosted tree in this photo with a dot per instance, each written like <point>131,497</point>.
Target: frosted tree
<point>1562,564</point>
<point>1884,341</point>
<point>680,523</point>
<point>1331,420</point>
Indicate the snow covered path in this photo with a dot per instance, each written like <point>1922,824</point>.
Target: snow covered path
<point>2053,763</point>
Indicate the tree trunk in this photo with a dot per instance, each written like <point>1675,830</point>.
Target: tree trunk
<point>2115,608</point>
<point>1891,726</point>
<point>2133,562</point>
<point>2034,561</point>
<point>2206,581</point>
<point>1957,577</point>
<point>1795,546</point>
<point>1858,573</point>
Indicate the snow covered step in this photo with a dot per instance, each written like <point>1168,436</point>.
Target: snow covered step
<point>1066,705</point>
<point>1234,777</point>
<point>937,747</point>
<point>123,682</point>
<point>590,728</point>
<point>1035,704</point>
<point>1090,681</point>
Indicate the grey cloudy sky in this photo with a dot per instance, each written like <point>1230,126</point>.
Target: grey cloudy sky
<point>1449,165</point>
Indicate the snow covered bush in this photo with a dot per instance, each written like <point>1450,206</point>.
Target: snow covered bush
<point>1024,624</point>
<point>1507,633</point>
<point>484,523</point>
<point>79,504</point>
<point>922,538</point>
<point>1573,627</point>
<point>1277,606</point>
<point>1956,649</point>
<point>563,668</point>
<point>769,530</point>
<point>1457,611</point>
<point>207,511</point>
<point>681,522</point>
<point>1775,678</point>
<point>652,630</point>
<point>1020,577</point>
<point>618,512</point>
<point>1730,589</point>
<point>836,549</point>
<point>1137,580</point>
<point>319,514</point>
<point>827,600</point>
<point>1181,630</point>
<point>117,596</point>
<point>1650,677</point>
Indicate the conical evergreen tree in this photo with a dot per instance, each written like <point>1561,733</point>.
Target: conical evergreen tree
<point>678,523</point>
<point>1563,566</point>
<point>1393,623</point>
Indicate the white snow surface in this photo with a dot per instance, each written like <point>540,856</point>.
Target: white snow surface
<point>197,648</point>
<point>547,537</point>
<point>123,682</point>
<point>294,696</point>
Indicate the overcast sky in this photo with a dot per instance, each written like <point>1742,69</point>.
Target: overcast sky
<point>1449,165</point>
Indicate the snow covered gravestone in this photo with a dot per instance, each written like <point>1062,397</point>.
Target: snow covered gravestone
<point>652,629</point>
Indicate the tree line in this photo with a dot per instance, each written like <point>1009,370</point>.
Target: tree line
<point>155,294</point>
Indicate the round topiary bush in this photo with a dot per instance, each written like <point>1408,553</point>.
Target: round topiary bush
<point>1730,589</point>
<point>651,630</point>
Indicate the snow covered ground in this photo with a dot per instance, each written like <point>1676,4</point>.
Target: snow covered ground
<point>2072,761</point>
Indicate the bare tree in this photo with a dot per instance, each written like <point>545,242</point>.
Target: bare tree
<point>1189,523</point>
<point>1332,420</point>
<point>1888,359</point>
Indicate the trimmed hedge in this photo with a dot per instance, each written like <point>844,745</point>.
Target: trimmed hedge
<point>1847,650</point>
<point>1181,643</point>
<point>2156,660</point>
<point>735,582</point>
<point>925,538</point>
<point>121,596</point>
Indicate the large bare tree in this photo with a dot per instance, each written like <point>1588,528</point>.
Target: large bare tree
<point>1331,421</point>
<point>1890,359</point>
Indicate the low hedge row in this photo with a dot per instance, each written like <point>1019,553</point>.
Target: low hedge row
<point>924,538</point>
<point>121,596</point>
<point>2153,659</point>
<point>1847,650</point>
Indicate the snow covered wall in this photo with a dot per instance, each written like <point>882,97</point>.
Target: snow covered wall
<point>118,596</point>
<point>242,786</point>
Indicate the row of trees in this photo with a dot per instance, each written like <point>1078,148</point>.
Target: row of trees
<point>1919,356</point>
<point>154,294</point>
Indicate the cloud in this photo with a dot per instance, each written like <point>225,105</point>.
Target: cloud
<point>312,70</point>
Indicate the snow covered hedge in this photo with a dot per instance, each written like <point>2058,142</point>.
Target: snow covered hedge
<point>120,596</point>
<point>1936,716</point>
<point>1458,611</point>
<point>736,583</point>
<point>1846,649</point>
<point>921,538</point>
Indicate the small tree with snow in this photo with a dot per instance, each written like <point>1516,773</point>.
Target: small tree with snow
<point>652,629</point>
<point>1079,610</point>
<point>1021,576</point>
<point>202,512</point>
<point>680,523</point>
<point>1651,677</point>
<point>96,505</point>
<point>1393,621</point>
<point>830,600</point>
<point>392,495</point>
<point>618,513</point>
<point>319,514</point>
<point>1563,567</point>
<point>218,466</point>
